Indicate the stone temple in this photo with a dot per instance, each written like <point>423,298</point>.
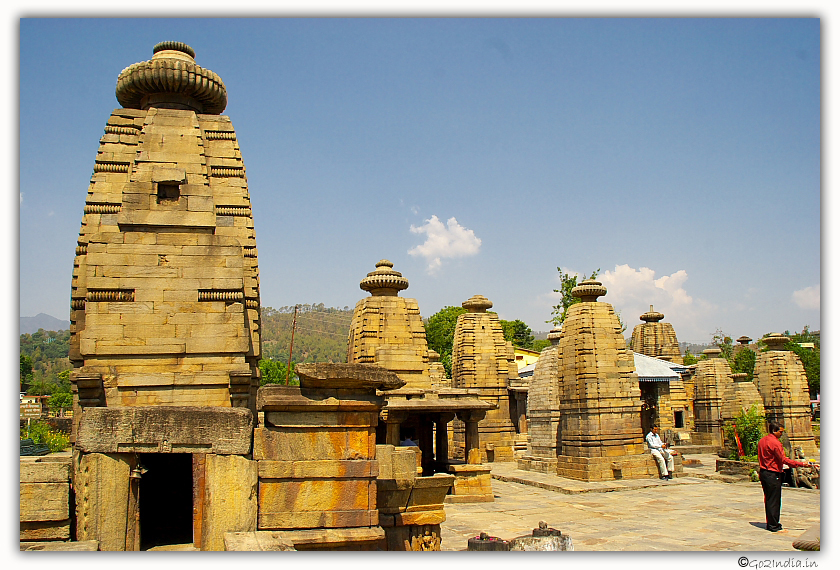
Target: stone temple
<point>165,316</point>
<point>783,384</point>
<point>483,360</point>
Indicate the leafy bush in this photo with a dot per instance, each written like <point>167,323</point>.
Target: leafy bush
<point>750,426</point>
<point>42,434</point>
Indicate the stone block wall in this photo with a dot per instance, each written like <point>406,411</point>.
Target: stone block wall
<point>45,498</point>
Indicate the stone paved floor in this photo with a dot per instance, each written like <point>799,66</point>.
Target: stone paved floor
<point>688,513</point>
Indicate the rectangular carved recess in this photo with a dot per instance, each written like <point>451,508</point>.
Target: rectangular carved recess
<point>240,389</point>
<point>110,295</point>
<point>226,295</point>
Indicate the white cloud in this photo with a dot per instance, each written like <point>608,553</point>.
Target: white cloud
<point>449,241</point>
<point>632,292</point>
<point>808,298</point>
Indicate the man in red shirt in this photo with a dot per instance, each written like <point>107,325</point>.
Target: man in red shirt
<point>771,457</point>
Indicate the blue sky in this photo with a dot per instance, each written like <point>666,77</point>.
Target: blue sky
<point>679,156</point>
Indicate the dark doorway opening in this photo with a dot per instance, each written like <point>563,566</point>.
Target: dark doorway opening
<point>679,419</point>
<point>166,499</point>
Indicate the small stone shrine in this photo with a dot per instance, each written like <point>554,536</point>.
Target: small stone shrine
<point>783,385</point>
<point>315,451</point>
<point>740,395</point>
<point>600,436</point>
<point>711,377</point>
<point>656,339</point>
<point>165,318</point>
<point>543,411</point>
<point>387,330</point>
<point>483,360</point>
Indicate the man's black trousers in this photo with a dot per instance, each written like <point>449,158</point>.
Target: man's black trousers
<point>771,484</point>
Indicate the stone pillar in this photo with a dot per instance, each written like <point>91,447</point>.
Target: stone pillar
<point>783,386</point>
<point>442,439</point>
<point>392,421</point>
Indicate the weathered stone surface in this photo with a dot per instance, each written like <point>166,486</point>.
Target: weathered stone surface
<point>599,436</point>
<point>80,546</point>
<point>166,260</point>
<point>230,499</point>
<point>483,360</point>
<point>45,530</point>
<point>33,471</point>
<point>44,501</point>
<point>336,538</point>
<point>101,484</point>
<point>358,377</point>
<point>313,444</point>
<point>472,484</point>
<point>656,339</point>
<point>261,540</point>
<point>166,429</point>
<point>739,395</point>
<point>322,469</point>
<point>711,378</point>
<point>783,385</point>
<point>387,330</point>
<point>544,410</point>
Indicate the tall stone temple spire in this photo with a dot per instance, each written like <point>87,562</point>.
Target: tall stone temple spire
<point>165,322</point>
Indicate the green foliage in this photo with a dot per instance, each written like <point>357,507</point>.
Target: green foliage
<point>60,400</point>
<point>744,362</point>
<point>320,333</point>
<point>43,357</point>
<point>274,372</point>
<point>751,427</point>
<point>689,359</point>
<point>810,358</point>
<point>567,283</point>
<point>440,332</point>
<point>42,434</point>
<point>518,333</point>
<point>540,345</point>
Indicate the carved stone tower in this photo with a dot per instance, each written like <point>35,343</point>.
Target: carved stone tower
<point>165,326</point>
<point>783,385</point>
<point>656,339</point>
<point>600,436</point>
<point>483,360</point>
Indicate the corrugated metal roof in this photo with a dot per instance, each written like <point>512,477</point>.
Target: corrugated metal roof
<point>655,370</point>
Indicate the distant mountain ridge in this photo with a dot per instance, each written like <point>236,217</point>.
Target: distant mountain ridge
<point>29,325</point>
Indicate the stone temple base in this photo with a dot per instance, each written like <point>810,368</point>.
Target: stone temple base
<point>538,464</point>
<point>472,484</point>
<point>640,466</point>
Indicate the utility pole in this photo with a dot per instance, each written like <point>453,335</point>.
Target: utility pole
<point>291,345</point>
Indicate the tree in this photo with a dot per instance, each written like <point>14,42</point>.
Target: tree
<point>540,345</point>
<point>518,333</point>
<point>724,342</point>
<point>25,372</point>
<point>750,427</point>
<point>689,359</point>
<point>274,372</point>
<point>744,362</point>
<point>567,283</point>
<point>810,358</point>
<point>440,333</point>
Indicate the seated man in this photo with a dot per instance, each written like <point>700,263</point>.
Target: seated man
<point>661,454</point>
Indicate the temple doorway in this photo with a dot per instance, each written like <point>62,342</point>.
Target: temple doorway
<point>166,499</point>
